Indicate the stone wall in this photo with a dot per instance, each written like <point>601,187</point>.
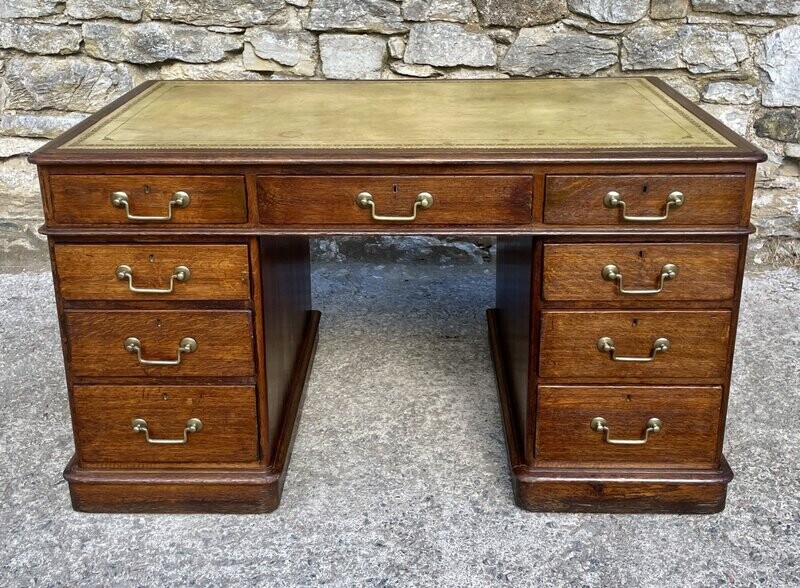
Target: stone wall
<point>60,60</point>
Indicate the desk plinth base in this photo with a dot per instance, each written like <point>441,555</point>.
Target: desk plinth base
<point>601,490</point>
<point>235,491</point>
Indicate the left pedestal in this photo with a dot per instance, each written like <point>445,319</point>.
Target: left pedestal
<point>187,360</point>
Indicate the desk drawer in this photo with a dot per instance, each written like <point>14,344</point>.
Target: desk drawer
<point>704,200</point>
<point>577,345</point>
<point>153,272</point>
<point>104,427</point>
<point>103,343</point>
<point>687,435</point>
<point>601,272</point>
<point>148,200</point>
<point>454,200</point>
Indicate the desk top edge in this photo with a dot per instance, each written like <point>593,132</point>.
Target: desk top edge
<point>59,150</point>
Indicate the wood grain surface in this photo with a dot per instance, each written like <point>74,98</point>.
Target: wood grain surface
<point>103,417</point>
<point>573,271</point>
<point>224,342</point>
<point>86,199</point>
<point>457,200</point>
<point>698,344</point>
<point>218,272</point>
<point>709,200</point>
<point>688,438</point>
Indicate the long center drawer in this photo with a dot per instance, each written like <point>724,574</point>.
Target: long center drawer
<point>454,200</point>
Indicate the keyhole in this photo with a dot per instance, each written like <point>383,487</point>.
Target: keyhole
<point>644,189</point>
<point>634,322</point>
<point>627,397</point>
<point>165,396</point>
<point>641,255</point>
<point>394,188</point>
<point>147,188</point>
<point>152,258</point>
<point>158,322</point>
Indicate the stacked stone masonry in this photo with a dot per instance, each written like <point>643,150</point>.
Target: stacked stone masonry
<point>740,59</point>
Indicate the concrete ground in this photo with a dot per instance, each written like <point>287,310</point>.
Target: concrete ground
<point>399,475</point>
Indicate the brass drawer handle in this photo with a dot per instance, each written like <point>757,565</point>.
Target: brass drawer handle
<point>179,200</point>
<point>193,425</point>
<point>599,424</point>
<point>613,200</point>
<point>133,345</point>
<point>181,273</point>
<point>424,200</point>
<point>611,273</point>
<point>606,345</point>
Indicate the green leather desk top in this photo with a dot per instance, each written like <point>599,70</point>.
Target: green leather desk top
<point>603,113</point>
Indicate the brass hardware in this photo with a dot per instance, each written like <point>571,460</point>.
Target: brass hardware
<point>179,199</point>
<point>133,345</point>
<point>606,345</point>
<point>193,425</point>
<point>599,424</point>
<point>611,273</point>
<point>613,200</point>
<point>181,273</point>
<point>424,200</point>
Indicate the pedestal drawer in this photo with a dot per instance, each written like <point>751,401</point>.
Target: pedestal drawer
<point>138,200</point>
<point>606,346</point>
<point>391,200</point>
<point>165,424</point>
<point>153,272</point>
<point>665,426</point>
<point>160,343</point>
<point>646,200</point>
<point>599,272</point>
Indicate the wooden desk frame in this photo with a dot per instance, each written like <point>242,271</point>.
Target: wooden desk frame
<point>284,325</point>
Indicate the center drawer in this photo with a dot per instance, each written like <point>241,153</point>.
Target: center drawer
<point>153,272</point>
<point>392,200</point>
<point>607,346</point>
<point>160,343</point>
<point>141,424</point>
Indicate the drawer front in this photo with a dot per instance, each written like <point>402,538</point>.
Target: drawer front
<point>153,272</point>
<point>705,200</point>
<point>148,200</point>
<point>687,435</point>
<point>101,343</point>
<point>575,345</point>
<point>456,200</point>
<point>601,272</point>
<point>105,432</point>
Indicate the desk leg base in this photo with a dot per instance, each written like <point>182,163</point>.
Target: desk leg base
<point>601,490</point>
<point>236,491</point>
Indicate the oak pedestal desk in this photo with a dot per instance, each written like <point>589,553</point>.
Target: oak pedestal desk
<point>178,221</point>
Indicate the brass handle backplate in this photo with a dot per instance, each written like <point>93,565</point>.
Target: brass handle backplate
<point>611,273</point>
<point>606,345</point>
<point>193,425</point>
<point>424,200</point>
<point>133,345</point>
<point>599,424</point>
<point>181,273</point>
<point>613,200</point>
<point>179,199</point>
